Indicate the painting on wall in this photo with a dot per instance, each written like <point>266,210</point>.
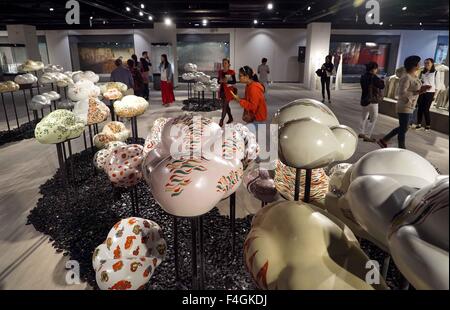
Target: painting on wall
<point>441,53</point>
<point>100,59</point>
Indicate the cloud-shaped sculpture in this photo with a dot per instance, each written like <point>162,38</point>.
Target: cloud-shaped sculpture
<point>58,126</point>
<point>8,86</point>
<point>310,135</point>
<point>130,106</point>
<point>101,156</point>
<point>91,111</point>
<point>53,68</point>
<point>188,76</point>
<point>190,67</point>
<point>418,237</point>
<point>297,246</point>
<point>113,90</point>
<point>259,182</point>
<point>86,75</point>
<point>39,102</point>
<point>199,87</point>
<point>31,65</point>
<point>130,254</point>
<point>27,78</point>
<point>65,104</point>
<point>112,131</point>
<point>52,95</point>
<point>83,89</point>
<point>123,165</point>
<point>184,162</point>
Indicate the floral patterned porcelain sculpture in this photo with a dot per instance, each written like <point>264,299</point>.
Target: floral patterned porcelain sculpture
<point>31,65</point>
<point>58,126</point>
<point>112,131</point>
<point>91,110</point>
<point>130,106</point>
<point>132,251</point>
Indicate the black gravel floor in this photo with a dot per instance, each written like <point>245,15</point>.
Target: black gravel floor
<point>25,131</point>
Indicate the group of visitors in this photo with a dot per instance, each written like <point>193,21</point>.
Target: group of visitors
<point>136,75</point>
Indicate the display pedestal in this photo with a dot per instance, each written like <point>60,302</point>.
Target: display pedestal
<point>111,109</point>
<point>26,104</point>
<point>307,193</point>
<point>134,129</point>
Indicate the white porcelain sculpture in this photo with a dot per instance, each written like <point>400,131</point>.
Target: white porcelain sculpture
<point>101,157</point>
<point>91,111</point>
<point>188,76</point>
<point>52,95</point>
<point>39,102</point>
<point>31,65</point>
<point>53,68</point>
<point>130,106</point>
<point>296,246</point>
<point>58,126</point>
<point>86,75</point>
<point>190,67</point>
<point>193,158</point>
<point>132,251</point>
<point>112,131</point>
<point>124,165</point>
<point>310,135</point>
<point>26,79</point>
<point>8,86</point>
<point>199,87</point>
<point>83,89</point>
<point>113,90</point>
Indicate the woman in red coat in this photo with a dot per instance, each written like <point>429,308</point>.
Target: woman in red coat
<point>227,77</point>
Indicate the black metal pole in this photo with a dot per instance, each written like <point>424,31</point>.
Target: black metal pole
<point>194,253</point>
<point>84,139</point>
<point>15,110</point>
<point>90,138</point>
<point>37,83</point>
<point>69,145</point>
<point>233,222</point>
<point>111,108</point>
<point>35,116</point>
<point>297,184</point>
<point>175,248</point>
<point>201,253</point>
<point>308,177</point>
<point>26,105</point>
<point>62,164</point>
<point>6,113</point>
<point>42,113</point>
<point>53,87</point>
<point>136,129</point>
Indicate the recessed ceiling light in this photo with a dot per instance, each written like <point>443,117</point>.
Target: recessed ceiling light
<point>205,22</point>
<point>51,9</point>
<point>309,8</point>
<point>150,17</point>
<point>381,23</point>
<point>255,21</point>
<point>270,6</point>
<point>142,6</point>
<point>196,25</point>
<point>91,18</point>
<point>420,24</point>
<point>404,8</point>
<point>104,22</point>
<point>141,13</point>
<point>167,21</point>
<point>128,9</point>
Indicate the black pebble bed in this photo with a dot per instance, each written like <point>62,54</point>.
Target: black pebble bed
<point>25,131</point>
<point>78,219</point>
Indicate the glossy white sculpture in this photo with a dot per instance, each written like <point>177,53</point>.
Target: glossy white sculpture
<point>112,131</point>
<point>52,95</point>
<point>58,126</point>
<point>132,251</point>
<point>39,102</point>
<point>130,106</point>
<point>190,67</point>
<point>296,246</point>
<point>27,78</point>
<point>8,86</point>
<point>31,65</point>
<point>86,75</point>
<point>83,90</point>
<point>53,68</point>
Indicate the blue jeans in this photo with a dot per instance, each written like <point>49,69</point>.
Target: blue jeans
<point>400,131</point>
<point>413,117</point>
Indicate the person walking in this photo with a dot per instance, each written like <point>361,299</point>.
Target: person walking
<point>226,78</point>
<point>145,70</point>
<point>165,68</point>
<point>409,90</point>
<point>371,86</point>
<point>138,83</point>
<point>325,78</point>
<point>254,102</point>
<point>263,72</point>
<point>429,77</point>
<point>122,74</point>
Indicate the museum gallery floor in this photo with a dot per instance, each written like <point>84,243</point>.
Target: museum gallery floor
<point>29,261</point>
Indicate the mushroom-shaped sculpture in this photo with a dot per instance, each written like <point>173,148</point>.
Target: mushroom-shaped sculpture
<point>25,79</point>
<point>91,111</point>
<point>112,131</point>
<point>123,165</point>
<point>190,67</point>
<point>418,237</point>
<point>39,102</point>
<point>130,254</point>
<point>113,90</point>
<point>184,162</point>
<point>31,65</point>
<point>58,126</point>
<point>83,89</point>
<point>298,246</point>
<point>86,75</point>
<point>8,86</point>
<point>310,135</point>
<point>130,106</point>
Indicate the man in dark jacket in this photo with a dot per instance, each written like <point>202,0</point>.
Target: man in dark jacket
<point>371,86</point>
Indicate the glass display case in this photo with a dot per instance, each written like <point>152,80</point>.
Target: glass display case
<point>11,57</point>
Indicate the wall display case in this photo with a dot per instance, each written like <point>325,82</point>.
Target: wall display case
<point>441,54</point>
<point>11,57</point>
<point>205,50</point>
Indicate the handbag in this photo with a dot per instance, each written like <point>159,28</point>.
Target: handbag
<point>248,116</point>
<point>319,72</point>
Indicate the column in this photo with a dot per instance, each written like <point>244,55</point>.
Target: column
<point>25,34</point>
<point>317,47</point>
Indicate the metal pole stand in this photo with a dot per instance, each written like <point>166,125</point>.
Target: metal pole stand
<point>198,274</point>
<point>297,184</point>
<point>308,177</point>
<point>26,104</point>
<point>60,149</point>
<point>15,110</point>
<point>233,222</point>
<point>111,109</point>
<point>6,113</point>
<point>134,129</point>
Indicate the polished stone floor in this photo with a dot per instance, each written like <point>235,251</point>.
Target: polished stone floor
<point>27,259</point>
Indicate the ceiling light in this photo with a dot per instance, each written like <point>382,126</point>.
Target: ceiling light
<point>167,21</point>
<point>270,6</point>
<point>150,17</point>
<point>255,21</point>
<point>371,44</point>
<point>204,22</point>
<point>128,9</point>
<point>142,6</point>
<point>404,8</point>
<point>309,8</point>
<point>381,23</point>
<point>91,18</point>
<point>196,25</point>
<point>51,9</point>
<point>420,24</point>
<point>141,13</point>
<point>104,22</point>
